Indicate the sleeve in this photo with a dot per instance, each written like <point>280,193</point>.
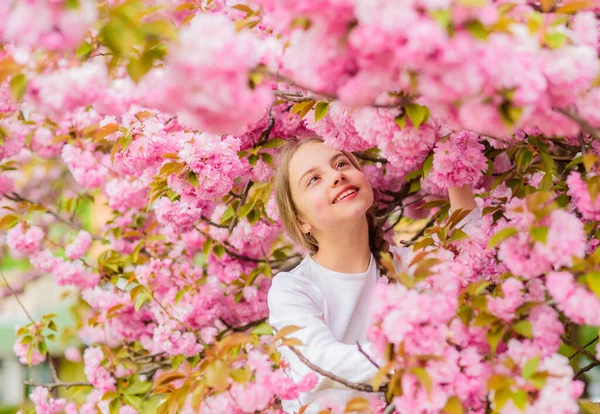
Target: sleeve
<point>293,302</point>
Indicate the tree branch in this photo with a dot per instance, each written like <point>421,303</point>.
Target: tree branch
<point>362,351</point>
<point>414,238</point>
<point>57,384</point>
<point>18,198</point>
<point>331,376</point>
<point>586,369</point>
<point>594,133</point>
<point>242,201</point>
<point>582,348</point>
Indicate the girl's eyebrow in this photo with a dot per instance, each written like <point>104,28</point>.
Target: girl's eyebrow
<point>331,161</point>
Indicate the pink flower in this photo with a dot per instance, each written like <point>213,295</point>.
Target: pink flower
<point>458,161</point>
<point>95,372</point>
<point>505,307</point>
<point>78,247</point>
<point>25,241</point>
<point>206,82</point>
<point>579,304</point>
<point>179,216</point>
<point>578,190</point>
<point>73,354</point>
<point>22,350</point>
<point>44,404</point>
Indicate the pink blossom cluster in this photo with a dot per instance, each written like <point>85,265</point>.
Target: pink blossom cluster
<point>25,240</point>
<point>258,394</point>
<point>405,148</point>
<point>95,370</point>
<point>22,350</point>
<point>68,88</point>
<point>578,190</point>
<point>528,258</point>
<point>65,272</point>
<point>57,26</point>
<point>79,246</point>
<point>86,168</point>
<point>418,320</point>
<point>338,131</point>
<point>45,404</point>
<point>458,160</point>
<point>215,162</point>
<point>170,340</point>
<point>207,83</point>
<point>579,304</point>
<point>179,216</point>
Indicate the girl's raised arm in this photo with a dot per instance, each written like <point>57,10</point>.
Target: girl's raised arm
<point>461,198</point>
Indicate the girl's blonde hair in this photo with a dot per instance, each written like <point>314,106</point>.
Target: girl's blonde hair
<point>289,213</point>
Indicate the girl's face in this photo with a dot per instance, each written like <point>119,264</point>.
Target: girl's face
<point>327,190</point>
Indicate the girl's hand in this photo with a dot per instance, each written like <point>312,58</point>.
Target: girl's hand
<point>461,198</point>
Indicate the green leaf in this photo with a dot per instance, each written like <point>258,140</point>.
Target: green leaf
<point>245,209</point>
<point>520,399</point>
<point>238,296</point>
<point>524,328</point>
<point>218,250</point>
<point>477,30</point>
<point>539,233</point>
<point>141,299</point>
<point>266,157</point>
<point>423,377</point>
<point>458,234</point>
<point>502,235</point>
<point>274,143</point>
<point>593,281</point>
<point>417,114</point>
<point>321,110</point>
<point>52,326</point>
<point>18,87</point>
<point>193,179</point>
<point>547,161</point>
<point>400,121</point>
<point>555,40</point>
<point>494,336</point>
<point>177,360</point>
<point>84,50</point>
<point>179,296</point>
<point>427,166</point>
<point>454,406</point>
<point>42,347</point>
<point>530,366</point>
<point>575,161</point>
<point>263,329</point>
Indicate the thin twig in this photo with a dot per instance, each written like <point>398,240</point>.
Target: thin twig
<point>212,223</point>
<point>369,158</point>
<point>242,201</point>
<point>389,409</point>
<point>18,198</point>
<point>578,348</point>
<point>581,142</point>
<point>586,369</point>
<point>17,298</point>
<point>414,238</point>
<point>362,351</point>
<point>594,133</point>
<point>331,376</point>
<point>585,346</point>
<point>57,384</point>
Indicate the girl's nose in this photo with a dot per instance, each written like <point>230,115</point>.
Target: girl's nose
<point>339,178</point>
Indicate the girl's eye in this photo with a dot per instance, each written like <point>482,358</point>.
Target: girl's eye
<point>310,181</point>
<point>342,164</point>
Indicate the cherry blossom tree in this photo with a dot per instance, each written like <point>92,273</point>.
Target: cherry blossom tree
<point>170,112</point>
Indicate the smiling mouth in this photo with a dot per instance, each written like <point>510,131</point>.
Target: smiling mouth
<point>345,194</point>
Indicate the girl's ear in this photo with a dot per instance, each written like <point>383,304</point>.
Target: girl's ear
<point>304,226</point>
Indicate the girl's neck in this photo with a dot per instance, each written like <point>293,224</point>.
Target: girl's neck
<point>347,250</point>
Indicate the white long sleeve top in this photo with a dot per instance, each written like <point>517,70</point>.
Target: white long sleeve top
<point>333,310</point>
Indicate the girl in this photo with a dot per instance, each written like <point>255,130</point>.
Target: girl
<point>324,201</point>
